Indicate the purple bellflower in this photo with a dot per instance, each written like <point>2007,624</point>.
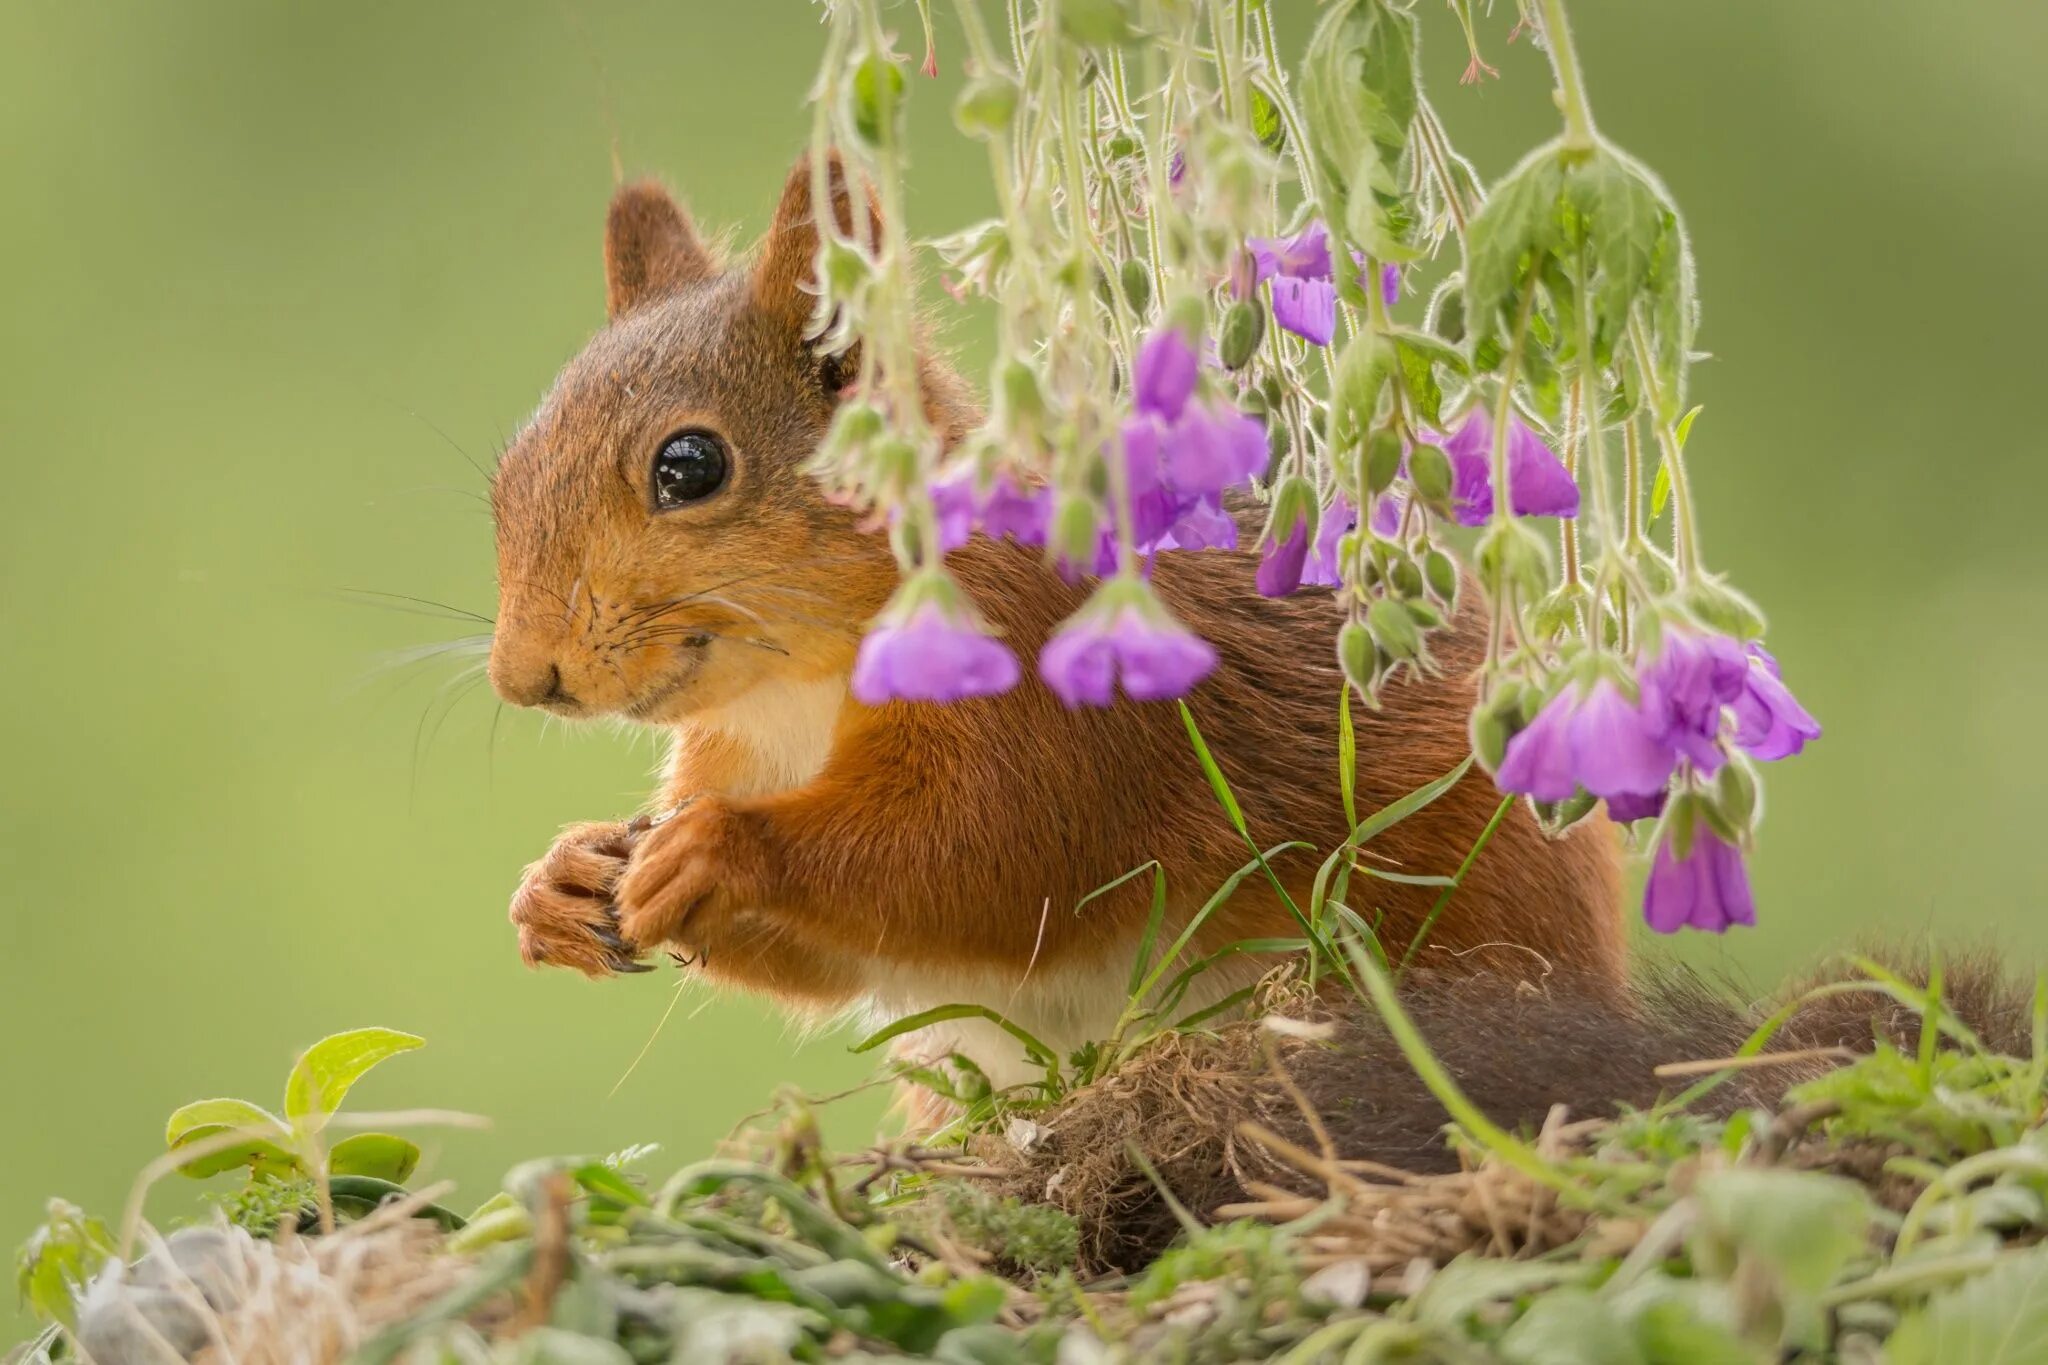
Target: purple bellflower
<point>1537,480</point>
<point>1707,889</point>
<point>930,655</point>
<point>1124,636</point>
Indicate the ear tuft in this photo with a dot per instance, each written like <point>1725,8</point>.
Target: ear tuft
<point>650,249</point>
<point>785,279</point>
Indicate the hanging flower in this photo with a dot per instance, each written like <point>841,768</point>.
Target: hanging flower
<point>929,647</point>
<point>1686,691</point>
<point>1538,480</point>
<point>1769,721</point>
<point>1593,738</point>
<point>1124,635</point>
<point>1304,282</point>
<point>1284,546</point>
<point>1707,889</point>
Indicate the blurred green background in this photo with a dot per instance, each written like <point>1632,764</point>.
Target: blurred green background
<point>275,274</point>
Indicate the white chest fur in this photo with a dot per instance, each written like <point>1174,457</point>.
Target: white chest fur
<point>786,727</point>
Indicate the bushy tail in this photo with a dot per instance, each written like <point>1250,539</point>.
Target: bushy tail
<point>1516,1046</point>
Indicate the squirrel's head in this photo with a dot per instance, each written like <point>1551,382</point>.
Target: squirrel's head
<point>661,548</point>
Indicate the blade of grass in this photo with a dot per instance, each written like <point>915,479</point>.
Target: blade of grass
<point>1347,758</point>
<point>1039,1053</point>
<point>1436,911</point>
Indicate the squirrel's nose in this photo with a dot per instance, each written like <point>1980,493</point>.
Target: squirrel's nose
<point>536,682</point>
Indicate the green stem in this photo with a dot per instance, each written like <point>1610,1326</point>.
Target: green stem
<point>1685,537</point>
<point>1571,91</point>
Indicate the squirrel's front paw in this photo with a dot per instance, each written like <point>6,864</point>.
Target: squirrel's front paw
<point>564,908</point>
<point>689,876</point>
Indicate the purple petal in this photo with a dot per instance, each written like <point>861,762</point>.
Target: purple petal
<point>1079,665</point>
<point>1538,479</point>
<point>1160,662</point>
<point>929,658</point>
<point>953,501</point>
<point>1538,761</point>
<point>1337,520</point>
<point>1387,510</point>
<point>1163,376</point>
<point>1769,721</point>
<point>1202,525</point>
<point>1280,563</point>
<point>1306,307</point>
<point>1613,752</point>
<point>1390,283</point>
<point>1686,689</point>
<point>1623,809</point>
<point>1708,890</point>
<point>1470,448</point>
<point>1021,513</point>
<point>1212,448</point>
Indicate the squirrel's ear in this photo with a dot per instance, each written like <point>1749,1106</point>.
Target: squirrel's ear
<point>785,280</point>
<point>649,247</point>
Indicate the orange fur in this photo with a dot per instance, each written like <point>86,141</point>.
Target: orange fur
<point>826,845</point>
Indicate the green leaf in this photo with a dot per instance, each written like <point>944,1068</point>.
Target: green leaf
<point>1569,1326</point>
<point>203,1119</point>
<point>1620,218</point>
<point>1997,1318</point>
<point>599,1178</point>
<point>59,1259</point>
<point>1359,97</point>
<point>1418,376</point>
<point>1660,491</point>
<point>1470,1283</point>
<point>1218,783</point>
<point>1508,239</point>
<point>1096,23</point>
<point>876,97</point>
<point>1266,125</point>
<point>1803,1224</point>
<point>384,1156</point>
<point>323,1076</point>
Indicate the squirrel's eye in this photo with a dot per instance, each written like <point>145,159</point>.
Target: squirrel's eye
<point>689,467</point>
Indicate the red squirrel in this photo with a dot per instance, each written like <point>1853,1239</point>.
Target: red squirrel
<point>664,557</point>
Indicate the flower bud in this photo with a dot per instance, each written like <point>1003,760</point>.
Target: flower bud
<point>1722,608</point>
<point>1406,577</point>
<point>892,465</point>
<point>1736,796</point>
<point>986,107</point>
<point>1188,314</point>
<point>1429,469</point>
<point>1358,657</point>
<point>1279,440</point>
<point>1382,459</point>
<point>1512,554</point>
<point>1137,283</point>
<point>1496,721</point>
<point>1557,817</point>
<point>1440,571</point>
<point>1244,327</point>
<point>1121,146</point>
<point>1073,537</point>
<point>1425,613</point>
<point>1294,503</point>
<point>1393,629</point>
<point>1355,391</point>
<point>876,94</point>
<point>1022,401</point>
